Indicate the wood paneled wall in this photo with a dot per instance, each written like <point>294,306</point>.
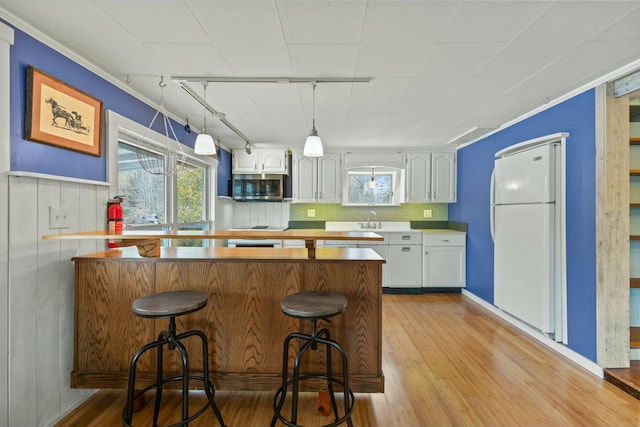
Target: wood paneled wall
<point>40,294</point>
<point>612,231</point>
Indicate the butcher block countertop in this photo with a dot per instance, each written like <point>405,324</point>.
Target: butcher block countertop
<point>148,241</point>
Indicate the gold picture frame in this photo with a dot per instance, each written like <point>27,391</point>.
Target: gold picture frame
<point>60,115</point>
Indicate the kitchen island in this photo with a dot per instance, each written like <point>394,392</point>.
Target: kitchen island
<point>243,321</point>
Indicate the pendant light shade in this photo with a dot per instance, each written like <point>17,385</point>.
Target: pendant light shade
<point>313,144</point>
<point>205,145</point>
<point>204,142</point>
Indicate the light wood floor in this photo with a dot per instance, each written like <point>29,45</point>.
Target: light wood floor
<point>447,362</point>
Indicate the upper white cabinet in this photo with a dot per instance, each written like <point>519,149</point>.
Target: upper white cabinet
<point>316,179</point>
<point>418,177</point>
<point>268,160</point>
<point>431,176</point>
<point>443,177</point>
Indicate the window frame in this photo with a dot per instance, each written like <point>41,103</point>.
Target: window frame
<point>397,184</point>
<point>120,128</point>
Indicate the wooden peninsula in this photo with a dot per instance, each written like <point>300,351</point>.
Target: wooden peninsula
<point>243,321</point>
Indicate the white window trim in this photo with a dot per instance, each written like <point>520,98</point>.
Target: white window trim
<point>397,196</point>
<point>120,127</point>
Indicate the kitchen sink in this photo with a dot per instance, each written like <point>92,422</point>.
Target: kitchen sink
<point>381,226</point>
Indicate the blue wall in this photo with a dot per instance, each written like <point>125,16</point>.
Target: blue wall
<point>475,163</point>
<point>28,156</point>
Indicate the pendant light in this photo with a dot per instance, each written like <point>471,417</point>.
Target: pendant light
<point>204,142</point>
<point>313,144</point>
<point>372,182</point>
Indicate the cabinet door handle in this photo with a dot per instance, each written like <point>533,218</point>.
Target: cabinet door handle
<point>406,249</point>
<point>406,237</point>
<point>445,240</point>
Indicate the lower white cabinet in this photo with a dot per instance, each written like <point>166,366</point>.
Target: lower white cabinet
<point>444,261</point>
<point>405,260</point>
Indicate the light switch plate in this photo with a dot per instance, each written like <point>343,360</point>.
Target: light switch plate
<point>59,217</point>
<point>427,213</point>
<point>311,213</point>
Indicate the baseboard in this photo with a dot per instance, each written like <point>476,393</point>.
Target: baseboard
<point>72,407</point>
<point>558,347</point>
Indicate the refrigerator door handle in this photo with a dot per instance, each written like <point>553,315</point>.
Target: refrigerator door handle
<point>492,206</point>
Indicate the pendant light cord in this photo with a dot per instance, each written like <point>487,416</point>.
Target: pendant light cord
<point>313,85</point>
<point>205,101</point>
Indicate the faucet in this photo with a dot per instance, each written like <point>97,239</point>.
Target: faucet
<point>375,219</point>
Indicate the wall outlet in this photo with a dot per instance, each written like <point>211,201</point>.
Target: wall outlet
<point>59,217</point>
<point>427,213</point>
<point>311,213</point>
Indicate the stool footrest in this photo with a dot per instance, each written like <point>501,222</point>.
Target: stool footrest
<point>209,404</point>
<point>340,420</point>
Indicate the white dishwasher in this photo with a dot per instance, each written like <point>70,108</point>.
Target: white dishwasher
<point>405,259</point>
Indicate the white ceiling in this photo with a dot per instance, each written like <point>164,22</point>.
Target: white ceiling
<point>438,68</point>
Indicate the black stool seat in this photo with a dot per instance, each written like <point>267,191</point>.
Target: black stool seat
<point>313,306</point>
<point>167,304</point>
<point>170,305</point>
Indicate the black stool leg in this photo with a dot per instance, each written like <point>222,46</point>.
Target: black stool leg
<point>282,392</point>
<point>332,395</point>
<point>208,386</point>
<point>185,381</point>
<point>159,380</point>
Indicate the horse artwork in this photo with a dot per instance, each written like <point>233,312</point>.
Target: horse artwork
<point>72,120</point>
<point>62,116</point>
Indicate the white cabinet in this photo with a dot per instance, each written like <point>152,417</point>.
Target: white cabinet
<point>405,260</point>
<point>269,160</point>
<point>418,177</point>
<point>431,177</point>
<point>316,179</point>
<point>443,177</point>
<point>444,262</point>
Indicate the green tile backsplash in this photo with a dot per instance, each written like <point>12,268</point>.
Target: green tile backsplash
<point>337,212</point>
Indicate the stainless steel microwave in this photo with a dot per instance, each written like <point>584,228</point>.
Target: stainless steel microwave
<point>263,187</point>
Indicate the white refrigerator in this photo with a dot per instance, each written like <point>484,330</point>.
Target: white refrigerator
<point>527,226</point>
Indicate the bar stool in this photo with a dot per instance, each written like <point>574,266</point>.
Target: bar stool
<point>313,306</point>
<point>170,305</point>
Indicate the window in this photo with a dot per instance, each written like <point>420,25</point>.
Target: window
<point>378,186</point>
<point>144,195</point>
<point>181,201</point>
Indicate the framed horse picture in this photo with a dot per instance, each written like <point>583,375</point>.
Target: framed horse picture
<point>60,115</point>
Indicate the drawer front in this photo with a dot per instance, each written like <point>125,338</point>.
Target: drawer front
<point>409,238</point>
<point>443,239</point>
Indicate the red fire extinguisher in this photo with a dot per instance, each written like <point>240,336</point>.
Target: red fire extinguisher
<point>114,215</point>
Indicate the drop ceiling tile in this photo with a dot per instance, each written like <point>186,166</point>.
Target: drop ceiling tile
<point>305,22</point>
<point>490,21</point>
<point>326,60</point>
<point>625,28</point>
<point>247,34</point>
<point>188,59</point>
<point>397,36</point>
<point>155,20</point>
<point>561,28</point>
